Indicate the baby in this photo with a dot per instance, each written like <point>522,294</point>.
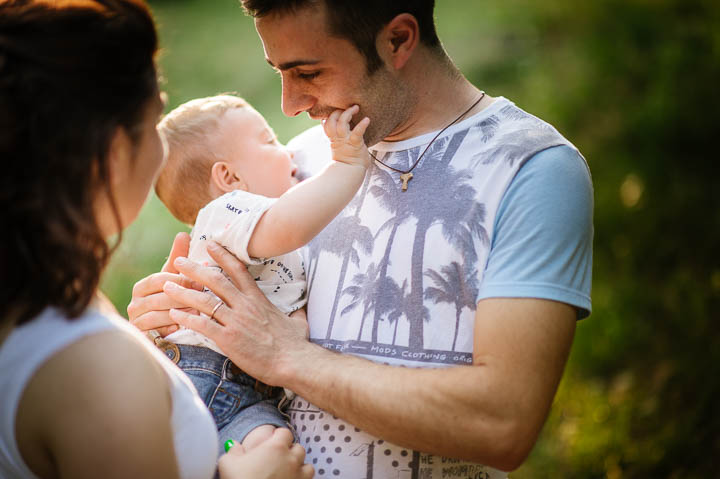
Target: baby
<point>228,175</point>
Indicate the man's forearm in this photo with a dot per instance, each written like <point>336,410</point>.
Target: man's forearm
<point>463,411</point>
<point>489,413</point>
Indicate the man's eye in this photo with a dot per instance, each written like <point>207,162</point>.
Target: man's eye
<point>307,76</point>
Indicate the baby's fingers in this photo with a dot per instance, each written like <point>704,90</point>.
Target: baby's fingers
<point>331,124</point>
<point>357,133</point>
<point>344,120</point>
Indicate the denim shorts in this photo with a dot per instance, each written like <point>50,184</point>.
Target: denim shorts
<point>238,402</point>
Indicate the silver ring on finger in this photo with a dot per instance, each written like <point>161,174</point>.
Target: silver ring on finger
<point>217,306</point>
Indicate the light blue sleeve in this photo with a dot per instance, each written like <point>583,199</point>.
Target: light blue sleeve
<point>542,242</point>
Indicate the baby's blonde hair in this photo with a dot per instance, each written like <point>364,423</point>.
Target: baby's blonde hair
<point>190,130</point>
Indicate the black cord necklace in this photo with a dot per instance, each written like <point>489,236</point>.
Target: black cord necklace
<point>406,176</point>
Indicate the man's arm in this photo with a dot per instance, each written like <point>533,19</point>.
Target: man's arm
<point>489,413</point>
<point>304,210</point>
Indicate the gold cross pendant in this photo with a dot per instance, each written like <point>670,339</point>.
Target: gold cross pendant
<point>405,177</point>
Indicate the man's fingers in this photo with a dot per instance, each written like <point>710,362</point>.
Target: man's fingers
<point>203,302</point>
<point>202,325</point>
<point>155,282</point>
<point>154,302</point>
<point>180,247</point>
<point>235,269</point>
<point>212,278</point>
<point>167,330</point>
<point>153,320</point>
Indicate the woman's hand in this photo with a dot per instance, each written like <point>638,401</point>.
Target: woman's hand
<point>276,458</point>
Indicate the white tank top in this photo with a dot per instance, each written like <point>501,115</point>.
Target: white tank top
<point>30,345</point>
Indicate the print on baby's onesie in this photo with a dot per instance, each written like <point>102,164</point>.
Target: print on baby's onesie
<point>275,271</point>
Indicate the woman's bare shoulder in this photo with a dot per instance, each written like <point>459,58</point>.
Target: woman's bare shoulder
<point>96,396</point>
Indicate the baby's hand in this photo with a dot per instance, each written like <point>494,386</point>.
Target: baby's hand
<point>347,145</point>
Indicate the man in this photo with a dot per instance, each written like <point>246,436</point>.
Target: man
<point>443,300</point>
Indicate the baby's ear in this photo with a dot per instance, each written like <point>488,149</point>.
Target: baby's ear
<point>224,177</point>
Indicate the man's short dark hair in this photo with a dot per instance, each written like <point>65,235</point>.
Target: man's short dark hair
<point>359,21</point>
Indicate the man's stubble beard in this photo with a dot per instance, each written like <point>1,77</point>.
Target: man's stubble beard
<point>384,99</point>
<point>387,102</point>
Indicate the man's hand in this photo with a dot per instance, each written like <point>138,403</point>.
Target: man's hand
<point>150,306</point>
<point>251,331</point>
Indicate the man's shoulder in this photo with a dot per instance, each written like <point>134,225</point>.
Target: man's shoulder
<point>504,131</point>
<point>505,118</point>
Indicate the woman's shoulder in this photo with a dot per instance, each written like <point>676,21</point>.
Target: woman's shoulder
<point>102,383</point>
<point>112,345</point>
<point>107,360</point>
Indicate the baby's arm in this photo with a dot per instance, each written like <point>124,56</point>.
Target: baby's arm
<point>304,210</point>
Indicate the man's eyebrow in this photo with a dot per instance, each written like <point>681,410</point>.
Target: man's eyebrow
<point>292,64</point>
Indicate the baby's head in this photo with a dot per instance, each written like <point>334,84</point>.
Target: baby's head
<point>216,145</point>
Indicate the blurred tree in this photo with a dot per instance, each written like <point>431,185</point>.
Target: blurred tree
<point>640,398</point>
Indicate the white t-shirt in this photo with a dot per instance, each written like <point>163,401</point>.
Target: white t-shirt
<point>32,344</point>
<point>231,220</point>
<point>396,277</point>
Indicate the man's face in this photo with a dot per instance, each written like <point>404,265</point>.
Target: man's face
<point>321,73</point>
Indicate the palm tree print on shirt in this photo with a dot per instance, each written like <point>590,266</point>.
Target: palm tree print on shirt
<point>454,286</point>
<point>364,291</point>
<point>429,246</point>
<point>456,211</point>
<point>454,188</point>
<point>386,193</point>
<point>339,239</point>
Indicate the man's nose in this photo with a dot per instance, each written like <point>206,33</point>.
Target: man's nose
<point>294,99</point>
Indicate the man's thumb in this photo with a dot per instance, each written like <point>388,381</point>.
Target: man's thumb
<point>180,247</point>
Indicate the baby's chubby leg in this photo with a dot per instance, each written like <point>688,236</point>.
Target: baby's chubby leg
<point>258,435</point>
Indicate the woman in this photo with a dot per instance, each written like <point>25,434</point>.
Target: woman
<point>82,394</point>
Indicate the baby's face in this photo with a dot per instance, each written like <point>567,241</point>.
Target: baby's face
<point>265,164</point>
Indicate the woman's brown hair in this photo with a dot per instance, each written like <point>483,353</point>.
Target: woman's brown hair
<point>71,73</point>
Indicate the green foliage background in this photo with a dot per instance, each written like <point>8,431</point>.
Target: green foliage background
<point>633,84</point>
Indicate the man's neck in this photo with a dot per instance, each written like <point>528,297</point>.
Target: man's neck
<point>442,93</point>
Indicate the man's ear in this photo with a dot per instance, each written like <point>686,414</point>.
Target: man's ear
<point>226,178</point>
<point>398,40</point>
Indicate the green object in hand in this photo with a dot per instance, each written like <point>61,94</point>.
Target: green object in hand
<point>228,444</point>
